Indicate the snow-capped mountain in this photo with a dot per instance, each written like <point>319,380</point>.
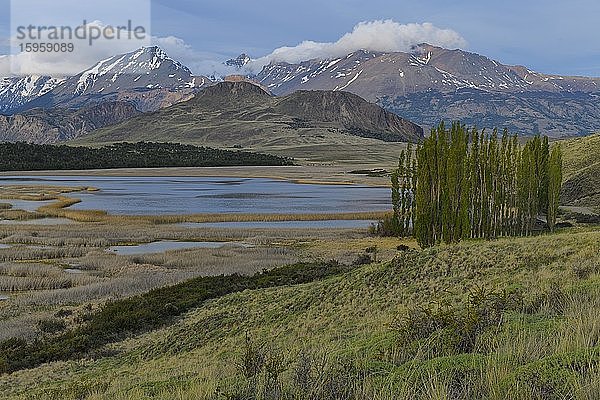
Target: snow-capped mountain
<point>374,75</point>
<point>429,84</point>
<point>17,91</point>
<point>147,77</point>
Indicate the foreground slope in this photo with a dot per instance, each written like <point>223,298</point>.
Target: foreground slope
<point>581,158</point>
<point>346,337</point>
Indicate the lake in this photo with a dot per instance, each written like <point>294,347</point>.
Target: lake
<point>164,246</point>
<point>194,195</point>
<point>26,205</point>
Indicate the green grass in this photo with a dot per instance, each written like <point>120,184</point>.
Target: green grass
<point>344,332</point>
<point>581,171</point>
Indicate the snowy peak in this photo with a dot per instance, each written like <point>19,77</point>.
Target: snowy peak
<point>148,67</point>
<point>238,62</point>
<point>17,91</point>
<point>329,74</point>
<point>147,75</point>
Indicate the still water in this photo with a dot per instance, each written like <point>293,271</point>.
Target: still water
<point>190,195</point>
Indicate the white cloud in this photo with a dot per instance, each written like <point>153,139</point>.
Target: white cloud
<point>379,35</point>
<point>61,63</point>
<point>200,63</point>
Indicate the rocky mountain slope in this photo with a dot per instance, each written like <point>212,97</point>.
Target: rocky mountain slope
<point>556,114</point>
<point>431,83</point>
<point>58,125</point>
<point>240,113</point>
<point>18,91</point>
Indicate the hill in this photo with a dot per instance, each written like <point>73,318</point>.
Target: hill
<point>513,318</point>
<point>242,114</point>
<point>582,172</point>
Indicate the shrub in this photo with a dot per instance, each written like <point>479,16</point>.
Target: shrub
<point>363,259</point>
<point>449,330</point>
<point>387,227</point>
<point>63,313</point>
<point>51,326</point>
<point>554,377</point>
<point>266,374</point>
<point>552,300</point>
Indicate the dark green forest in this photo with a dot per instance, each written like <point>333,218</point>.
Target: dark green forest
<point>460,184</point>
<point>35,157</point>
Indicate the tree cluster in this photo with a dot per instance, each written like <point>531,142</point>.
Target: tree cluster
<point>32,157</point>
<point>460,184</point>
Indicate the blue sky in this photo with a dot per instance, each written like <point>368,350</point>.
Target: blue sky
<point>548,36</point>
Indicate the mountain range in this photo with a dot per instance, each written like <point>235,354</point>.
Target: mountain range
<point>429,84</point>
<point>424,85</point>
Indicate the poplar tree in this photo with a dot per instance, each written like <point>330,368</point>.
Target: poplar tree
<point>554,185</point>
<point>462,184</point>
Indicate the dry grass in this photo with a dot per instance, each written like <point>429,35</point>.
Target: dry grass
<point>350,316</point>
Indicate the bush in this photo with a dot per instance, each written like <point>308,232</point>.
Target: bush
<point>554,377</point>
<point>363,259</point>
<point>265,373</point>
<point>450,330</point>
<point>388,227</point>
<point>51,326</point>
<point>63,313</point>
<point>552,300</point>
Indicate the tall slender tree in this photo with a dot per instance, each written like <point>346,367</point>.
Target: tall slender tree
<point>554,185</point>
<point>463,184</point>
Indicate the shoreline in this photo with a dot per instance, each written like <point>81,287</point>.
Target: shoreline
<point>310,175</point>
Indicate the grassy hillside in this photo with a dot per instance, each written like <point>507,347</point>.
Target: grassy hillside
<point>582,171</point>
<point>513,318</point>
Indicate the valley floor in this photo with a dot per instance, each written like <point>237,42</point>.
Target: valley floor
<point>513,318</point>
<point>347,315</point>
